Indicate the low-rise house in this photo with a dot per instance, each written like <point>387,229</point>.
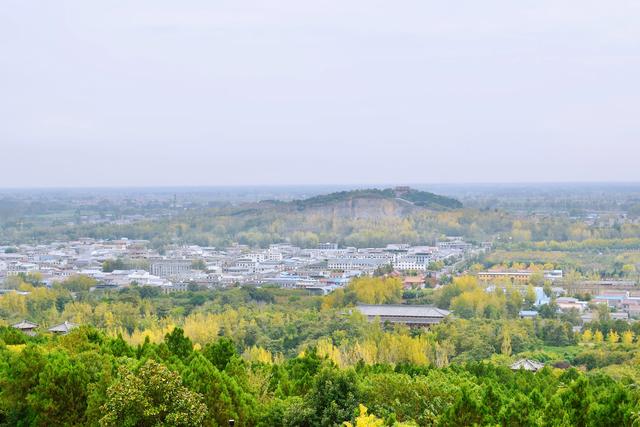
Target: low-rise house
<point>528,314</point>
<point>292,281</point>
<point>63,328</point>
<point>413,282</point>
<point>569,303</point>
<point>619,315</point>
<point>527,365</point>
<point>26,327</point>
<point>587,318</point>
<point>631,306</point>
<point>611,298</point>
<point>174,287</point>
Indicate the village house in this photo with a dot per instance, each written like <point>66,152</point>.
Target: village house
<point>63,328</point>
<point>527,365</point>
<point>26,327</point>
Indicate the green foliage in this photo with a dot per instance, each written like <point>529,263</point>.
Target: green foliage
<point>11,336</point>
<point>60,397</point>
<point>277,357</point>
<point>224,398</point>
<point>178,344</point>
<point>78,283</point>
<point>124,264</point>
<point>110,265</point>
<point>334,397</point>
<point>199,264</point>
<point>74,382</point>
<point>220,352</point>
<point>405,398</point>
<point>419,198</point>
<point>151,395</point>
<point>20,375</point>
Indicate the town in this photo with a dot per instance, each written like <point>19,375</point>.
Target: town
<point>119,263</point>
<point>331,214</point>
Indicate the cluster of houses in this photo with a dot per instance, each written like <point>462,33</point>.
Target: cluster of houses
<point>30,328</point>
<point>623,304</point>
<point>323,268</point>
<point>621,297</point>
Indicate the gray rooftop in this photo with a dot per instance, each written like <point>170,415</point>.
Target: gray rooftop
<point>63,327</point>
<point>527,365</point>
<point>400,310</point>
<point>25,324</point>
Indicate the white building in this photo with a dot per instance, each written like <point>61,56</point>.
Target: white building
<point>356,263</point>
<point>170,267</point>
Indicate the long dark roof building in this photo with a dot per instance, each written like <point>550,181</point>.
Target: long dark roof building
<point>412,315</point>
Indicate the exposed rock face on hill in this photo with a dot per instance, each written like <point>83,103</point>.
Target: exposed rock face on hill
<point>370,204</point>
<point>364,208</point>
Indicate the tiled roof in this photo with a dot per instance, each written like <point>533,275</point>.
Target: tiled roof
<point>25,324</point>
<point>63,327</point>
<point>527,365</point>
<point>400,310</point>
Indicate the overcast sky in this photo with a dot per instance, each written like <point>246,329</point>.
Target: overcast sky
<point>151,93</point>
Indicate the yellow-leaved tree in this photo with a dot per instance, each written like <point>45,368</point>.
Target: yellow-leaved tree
<point>259,355</point>
<point>367,290</point>
<point>598,337</point>
<point>202,328</point>
<point>366,420</point>
<point>325,348</point>
<point>506,343</point>
<point>370,420</point>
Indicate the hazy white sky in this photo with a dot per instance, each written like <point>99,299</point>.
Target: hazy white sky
<point>111,93</point>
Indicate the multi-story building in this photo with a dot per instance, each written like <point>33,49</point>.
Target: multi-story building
<point>417,262</point>
<point>15,268</point>
<point>356,263</point>
<point>517,275</point>
<point>327,246</point>
<point>170,267</point>
<point>457,245</point>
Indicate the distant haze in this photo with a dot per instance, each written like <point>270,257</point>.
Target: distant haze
<point>155,93</point>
